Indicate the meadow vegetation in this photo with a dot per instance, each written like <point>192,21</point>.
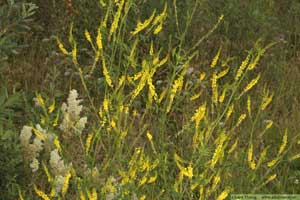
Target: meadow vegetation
<point>133,99</point>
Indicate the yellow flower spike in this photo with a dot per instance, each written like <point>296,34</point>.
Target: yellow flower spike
<point>216,181</point>
<point>195,96</point>
<point>143,181</point>
<point>262,156</point>
<point>214,86</point>
<point>143,197</point>
<point>242,67</point>
<point>40,100</point>
<point>160,17</point>
<point>89,38</point>
<point>74,54</point>
<point>252,83</point>
<point>163,61</point>
<point>224,194</point>
<point>201,191</point>
<point>88,142</point>
<point>241,119</point>
<point>233,147</point>
<point>152,179</point>
<point>151,49</point>
<point>295,157</point>
<point>149,136</point>
<point>267,99</point>
<point>105,104</point>
<point>251,161</point>
<point>40,193</point>
<point>269,124</point>
<point>199,114</point>
<point>215,59</point>
<point>61,47</point>
<point>40,135</point>
<point>51,107</point>
<point>66,184</point>
<point>49,178</point>
<point>57,144</point>
<point>152,91</point>
<point>99,39</point>
<point>272,163</point>
<point>81,195</point>
<point>113,124</point>
<point>162,95</point>
<point>223,73</point>
<point>20,194</point>
<point>52,192</point>
<point>158,28</point>
<point>218,151</point>
<point>222,96</point>
<point>106,74</point>
<point>94,194</point>
<point>55,123</point>
<point>271,178</point>
<point>116,19</point>
<point>202,76</point>
<point>229,112</point>
<point>141,26</point>
<point>284,143</point>
<point>249,105</point>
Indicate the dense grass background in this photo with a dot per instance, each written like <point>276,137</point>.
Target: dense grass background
<point>31,62</point>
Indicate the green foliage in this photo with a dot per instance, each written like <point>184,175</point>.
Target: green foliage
<point>16,20</point>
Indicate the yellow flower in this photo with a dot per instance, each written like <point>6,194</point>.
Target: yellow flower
<point>249,105</point>
<point>224,194</point>
<point>233,147</point>
<point>223,73</point>
<point>242,67</point>
<point>88,142</point>
<point>143,181</point>
<point>222,97</point>
<point>61,47</point>
<point>40,193</point>
<point>215,59</point>
<point>152,179</point>
<point>115,22</point>
<point>74,54</point>
<point>57,144</point>
<point>272,163</point>
<point>251,162</point>
<point>229,112</point>
<point>143,197</point>
<point>252,83</point>
<point>284,142</point>
<point>158,28</point>
<point>40,100</point>
<point>141,26</point>
<point>106,73</point>
<point>99,39</point>
<point>202,76</point>
<point>271,178</point>
<point>266,100</point>
<point>294,157</point>
<point>51,107</point>
<point>88,36</point>
<point>214,86</point>
<point>241,119</point>
<point>219,150</point>
<point>199,114</point>
<point>66,183</point>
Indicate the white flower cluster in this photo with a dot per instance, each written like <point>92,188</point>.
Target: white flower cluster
<point>32,149</point>
<point>59,169</point>
<point>71,115</point>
